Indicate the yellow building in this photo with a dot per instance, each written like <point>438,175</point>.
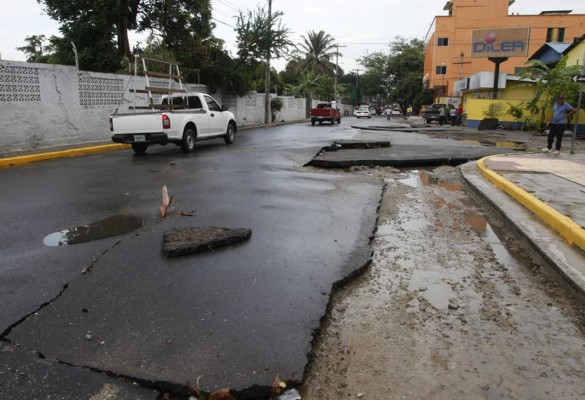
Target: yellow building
<point>517,92</point>
<point>449,40</point>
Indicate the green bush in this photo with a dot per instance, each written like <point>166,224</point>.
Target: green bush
<point>276,104</point>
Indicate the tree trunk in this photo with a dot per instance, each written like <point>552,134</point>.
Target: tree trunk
<point>123,42</point>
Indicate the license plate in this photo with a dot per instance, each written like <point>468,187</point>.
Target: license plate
<point>139,138</point>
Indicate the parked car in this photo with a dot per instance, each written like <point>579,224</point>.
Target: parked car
<point>396,112</point>
<point>362,113</point>
<point>432,112</point>
<point>324,112</point>
<point>372,111</point>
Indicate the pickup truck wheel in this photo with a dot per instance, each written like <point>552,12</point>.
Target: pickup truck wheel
<point>188,142</point>
<point>139,148</point>
<point>313,122</point>
<point>230,135</point>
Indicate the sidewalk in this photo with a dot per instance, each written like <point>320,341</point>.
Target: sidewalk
<point>536,191</point>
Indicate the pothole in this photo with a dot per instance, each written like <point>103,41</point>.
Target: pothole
<point>111,226</point>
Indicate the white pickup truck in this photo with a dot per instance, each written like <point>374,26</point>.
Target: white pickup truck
<point>183,120</point>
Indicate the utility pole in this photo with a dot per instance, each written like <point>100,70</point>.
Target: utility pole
<point>267,78</point>
<point>336,63</point>
<point>578,110</point>
<point>461,63</point>
<point>357,87</point>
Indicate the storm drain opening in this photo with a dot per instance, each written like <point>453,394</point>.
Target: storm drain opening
<point>111,226</point>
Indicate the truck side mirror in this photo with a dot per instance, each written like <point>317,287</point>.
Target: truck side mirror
<point>223,107</point>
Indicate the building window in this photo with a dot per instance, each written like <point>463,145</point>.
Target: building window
<point>443,41</point>
<point>549,34</point>
<point>519,70</point>
<point>441,70</point>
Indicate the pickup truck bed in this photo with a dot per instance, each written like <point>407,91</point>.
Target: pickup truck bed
<point>432,112</point>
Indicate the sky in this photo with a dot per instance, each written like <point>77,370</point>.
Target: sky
<point>362,27</point>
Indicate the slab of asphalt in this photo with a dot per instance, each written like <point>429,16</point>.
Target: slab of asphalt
<point>345,154</point>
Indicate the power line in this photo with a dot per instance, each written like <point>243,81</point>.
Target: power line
<point>227,4</point>
<point>385,43</point>
<point>221,22</point>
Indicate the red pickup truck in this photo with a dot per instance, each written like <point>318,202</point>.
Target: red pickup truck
<point>325,112</point>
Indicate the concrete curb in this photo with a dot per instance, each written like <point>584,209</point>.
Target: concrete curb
<point>51,155</point>
<point>566,227</point>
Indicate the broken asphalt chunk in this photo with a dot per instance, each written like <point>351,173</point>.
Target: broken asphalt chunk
<point>179,242</point>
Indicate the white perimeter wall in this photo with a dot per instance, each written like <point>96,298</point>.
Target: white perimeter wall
<point>45,105</point>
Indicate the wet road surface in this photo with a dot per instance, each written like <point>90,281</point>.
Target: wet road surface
<point>243,314</point>
<point>238,315</point>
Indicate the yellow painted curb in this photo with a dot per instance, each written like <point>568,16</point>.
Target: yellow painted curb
<point>21,160</point>
<point>565,226</point>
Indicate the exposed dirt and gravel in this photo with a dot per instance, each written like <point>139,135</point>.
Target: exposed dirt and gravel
<point>446,310</point>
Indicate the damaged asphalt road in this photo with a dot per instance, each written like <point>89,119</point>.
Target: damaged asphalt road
<point>236,316</point>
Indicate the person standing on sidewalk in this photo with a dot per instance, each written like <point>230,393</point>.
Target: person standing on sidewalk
<point>452,115</point>
<point>459,114</point>
<point>558,124</point>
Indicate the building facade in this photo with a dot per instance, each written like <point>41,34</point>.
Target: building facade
<point>450,43</point>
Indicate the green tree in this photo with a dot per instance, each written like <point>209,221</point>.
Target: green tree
<point>99,29</point>
<point>93,24</point>
<point>309,83</point>
<point>395,78</point>
<point>260,36</point>
<point>405,73</point>
<point>374,82</point>
<point>35,50</point>
<point>549,83</point>
<point>316,53</point>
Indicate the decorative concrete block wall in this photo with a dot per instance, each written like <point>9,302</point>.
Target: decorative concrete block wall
<point>46,105</point>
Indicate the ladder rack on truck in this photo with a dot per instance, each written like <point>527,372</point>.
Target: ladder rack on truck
<point>173,75</point>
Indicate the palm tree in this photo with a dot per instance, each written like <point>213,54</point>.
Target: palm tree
<point>308,83</point>
<point>316,54</point>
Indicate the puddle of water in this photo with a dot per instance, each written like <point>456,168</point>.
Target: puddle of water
<point>437,286</point>
<point>508,145</point>
<point>421,178</point>
<point>511,145</point>
<point>413,180</point>
<point>111,226</point>
<point>477,223</point>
